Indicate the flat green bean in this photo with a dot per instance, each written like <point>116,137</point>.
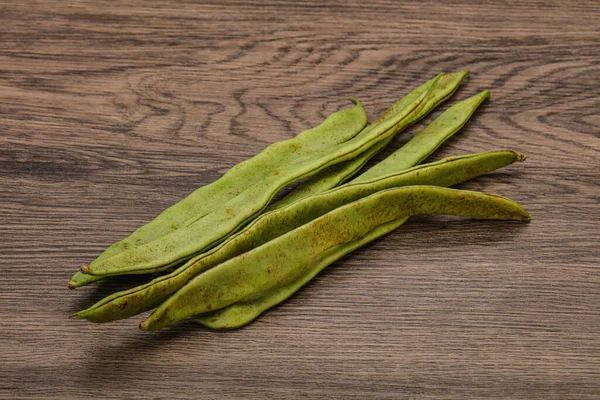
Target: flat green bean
<point>337,128</point>
<point>247,310</point>
<point>209,230</point>
<point>288,255</point>
<point>269,226</point>
<point>339,173</point>
<point>429,139</point>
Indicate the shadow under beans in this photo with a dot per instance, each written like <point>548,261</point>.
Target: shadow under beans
<point>448,231</point>
<point>510,176</point>
<point>111,361</point>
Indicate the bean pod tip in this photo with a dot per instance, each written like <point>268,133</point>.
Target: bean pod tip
<point>521,157</point>
<point>525,216</point>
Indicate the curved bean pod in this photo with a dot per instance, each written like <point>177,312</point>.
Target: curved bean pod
<point>269,226</point>
<point>247,310</point>
<point>209,230</point>
<point>290,254</point>
<point>337,128</point>
<point>429,139</point>
<point>339,173</point>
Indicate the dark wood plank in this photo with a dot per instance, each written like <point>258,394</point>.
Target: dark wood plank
<point>111,112</point>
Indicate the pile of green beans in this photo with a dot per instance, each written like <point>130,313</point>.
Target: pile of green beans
<point>232,255</point>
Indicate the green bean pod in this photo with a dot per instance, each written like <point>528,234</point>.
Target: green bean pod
<point>207,231</point>
<point>424,143</point>
<point>247,310</point>
<point>269,226</point>
<point>282,258</point>
<point>337,128</point>
<point>340,173</point>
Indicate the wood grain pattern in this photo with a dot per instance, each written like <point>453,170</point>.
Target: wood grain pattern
<point>111,112</point>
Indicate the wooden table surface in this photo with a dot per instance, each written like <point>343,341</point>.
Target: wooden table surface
<point>112,111</point>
